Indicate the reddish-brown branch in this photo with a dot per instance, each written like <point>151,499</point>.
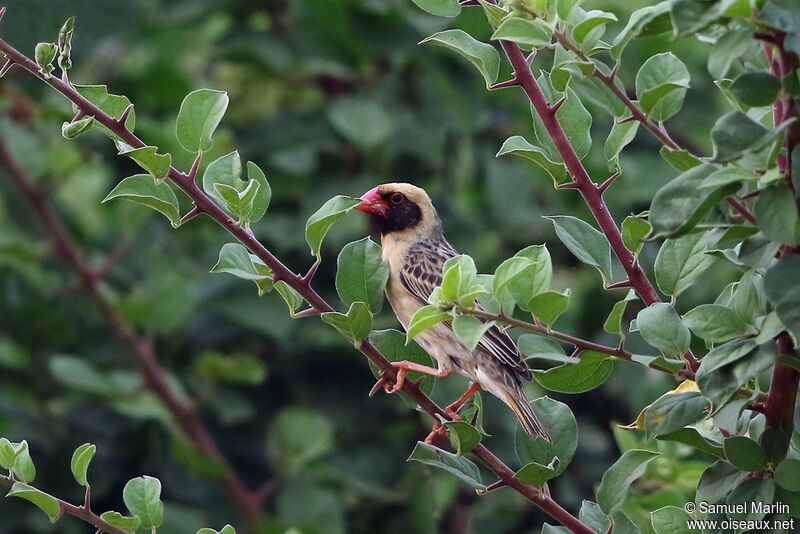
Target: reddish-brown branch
<point>81,512</point>
<point>206,204</point>
<point>592,194</point>
<point>141,349</point>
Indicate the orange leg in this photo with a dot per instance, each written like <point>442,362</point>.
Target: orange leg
<point>403,369</point>
<point>438,428</point>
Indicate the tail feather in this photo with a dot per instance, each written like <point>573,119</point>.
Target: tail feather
<point>518,402</point>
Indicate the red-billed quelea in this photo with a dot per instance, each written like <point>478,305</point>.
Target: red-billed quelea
<point>415,248</point>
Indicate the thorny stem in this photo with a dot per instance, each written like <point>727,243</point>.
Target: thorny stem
<point>591,193</point>
<point>141,348</point>
<point>81,512</point>
<point>783,389</point>
<point>282,272</point>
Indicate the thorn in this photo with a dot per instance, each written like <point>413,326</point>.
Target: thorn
<point>79,115</point>
<point>65,77</point>
<point>576,352</point>
<point>495,486</point>
<point>2,13</point>
<point>620,285</point>
<point>124,117</point>
<point>629,118</point>
<point>194,212</point>
<point>613,74</point>
<point>311,271</point>
<point>503,85</point>
<point>530,57</point>
<point>308,312</point>
<point>378,385</point>
<point>752,194</point>
<point>569,185</point>
<point>610,180</point>
<point>468,3</point>
<point>6,67</point>
<point>190,176</point>
<point>555,107</point>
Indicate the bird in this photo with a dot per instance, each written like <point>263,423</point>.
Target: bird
<point>415,248</point>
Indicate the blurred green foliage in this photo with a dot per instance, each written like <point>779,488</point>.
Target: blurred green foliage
<point>328,97</point>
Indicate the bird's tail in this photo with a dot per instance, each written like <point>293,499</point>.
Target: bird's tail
<point>518,402</point>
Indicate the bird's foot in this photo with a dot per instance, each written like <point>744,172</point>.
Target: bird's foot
<point>439,429</point>
<point>401,371</point>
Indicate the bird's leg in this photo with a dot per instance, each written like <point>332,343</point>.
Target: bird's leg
<point>438,428</point>
<point>403,368</point>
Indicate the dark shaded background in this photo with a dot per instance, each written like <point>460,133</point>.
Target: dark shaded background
<point>291,68</point>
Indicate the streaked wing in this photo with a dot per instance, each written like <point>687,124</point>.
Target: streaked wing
<point>422,273</point>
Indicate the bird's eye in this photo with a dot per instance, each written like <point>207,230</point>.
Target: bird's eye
<point>397,198</point>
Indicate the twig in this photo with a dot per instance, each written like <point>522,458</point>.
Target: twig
<point>282,272</point>
<point>81,512</point>
<point>141,349</point>
<point>741,209</point>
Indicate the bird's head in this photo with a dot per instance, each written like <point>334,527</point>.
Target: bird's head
<point>400,207</point>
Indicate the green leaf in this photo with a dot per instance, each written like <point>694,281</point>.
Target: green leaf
<point>235,259</point>
<point>470,330</point>
<point>673,411</point>
<point>441,8</point>
<point>575,120</point>
<point>613,324</point>
<point>355,325</point>
<point>681,160</point>
<point>756,88</point>
<point>45,54</point>
<point>593,20</point>
<point>463,436</point>
<point>46,503</point>
<point>634,231</point>
<point>528,33</point>
<point>361,274</point>
<point>558,419</point>
<point>23,468</point>
<point>650,20</point>
<point>459,282</point>
<point>297,437</point>
<point>717,481</point>
<point>65,44</point>
<point>730,48</point>
<point>141,188</point>
<point>227,529</point>
<point>259,205</point>
<point>592,516</point>
<point>537,474</point>
<point>745,454</point>
<point>670,520</point>
<point>494,13</point>
<point>730,174</point>
<point>290,295</point>
<point>784,15</point>
<point>621,135</point>
<point>148,158</point>
<point>200,114</point>
<point>549,305</point>
<point>321,221</point>
<point>661,85</point>
<point>681,204</point>
<point>735,135</point>
<point>362,122</point>
<point>661,326</point>
<point>776,213</point>
<point>534,346</point>
<point>593,369</point>
<point>483,56</point>
<point>424,318</point>
<point>234,368</point>
<point>682,261</point>
<point>456,465</point>
<point>142,496</point>
<point>528,273</point>
<point>518,146</point>
<point>128,524</point>
<point>783,291</point>
<point>586,243</point>
<point>80,462</point>
<point>692,437</point>
<point>754,490</point>
<point>8,454</point>
<point>727,367</point>
<point>114,105</point>
<point>392,344</point>
<point>71,130</point>
<point>787,474</point>
<point>617,480</point>
<point>716,323</point>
